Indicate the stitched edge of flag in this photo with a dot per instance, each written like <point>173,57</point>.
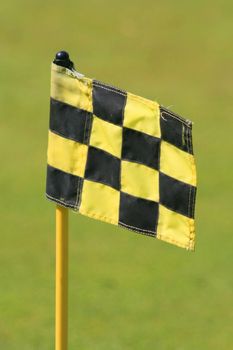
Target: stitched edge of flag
<point>58,201</point>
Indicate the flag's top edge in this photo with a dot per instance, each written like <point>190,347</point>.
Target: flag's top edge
<point>76,75</point>
<point>72,73</point>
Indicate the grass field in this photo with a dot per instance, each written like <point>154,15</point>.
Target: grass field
<point>126,291</point>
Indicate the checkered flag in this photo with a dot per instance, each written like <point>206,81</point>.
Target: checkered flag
<point>120,158</point>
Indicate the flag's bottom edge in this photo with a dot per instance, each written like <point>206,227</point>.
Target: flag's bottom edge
<point>60,202</point>
<point>188,246</point>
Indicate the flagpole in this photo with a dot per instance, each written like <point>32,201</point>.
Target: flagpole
<point>61,297</point>
<point>61,317</point>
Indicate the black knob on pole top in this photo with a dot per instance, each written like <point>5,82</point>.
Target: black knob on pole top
<point>62,59</point>
<point>62,55</point>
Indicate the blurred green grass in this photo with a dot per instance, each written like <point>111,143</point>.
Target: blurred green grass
<point>126,291</point>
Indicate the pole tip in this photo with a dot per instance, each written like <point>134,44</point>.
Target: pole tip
<point>62,55</point>
<point>62,58</point>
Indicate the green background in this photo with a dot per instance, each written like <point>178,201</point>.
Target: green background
<point>126,291</point>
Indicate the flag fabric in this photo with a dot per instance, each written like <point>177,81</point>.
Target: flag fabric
<point>120,158</point>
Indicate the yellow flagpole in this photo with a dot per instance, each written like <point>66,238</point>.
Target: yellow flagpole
<point>61,323</point>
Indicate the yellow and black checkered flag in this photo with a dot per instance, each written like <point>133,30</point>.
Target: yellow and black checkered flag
<point>120,158</point>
